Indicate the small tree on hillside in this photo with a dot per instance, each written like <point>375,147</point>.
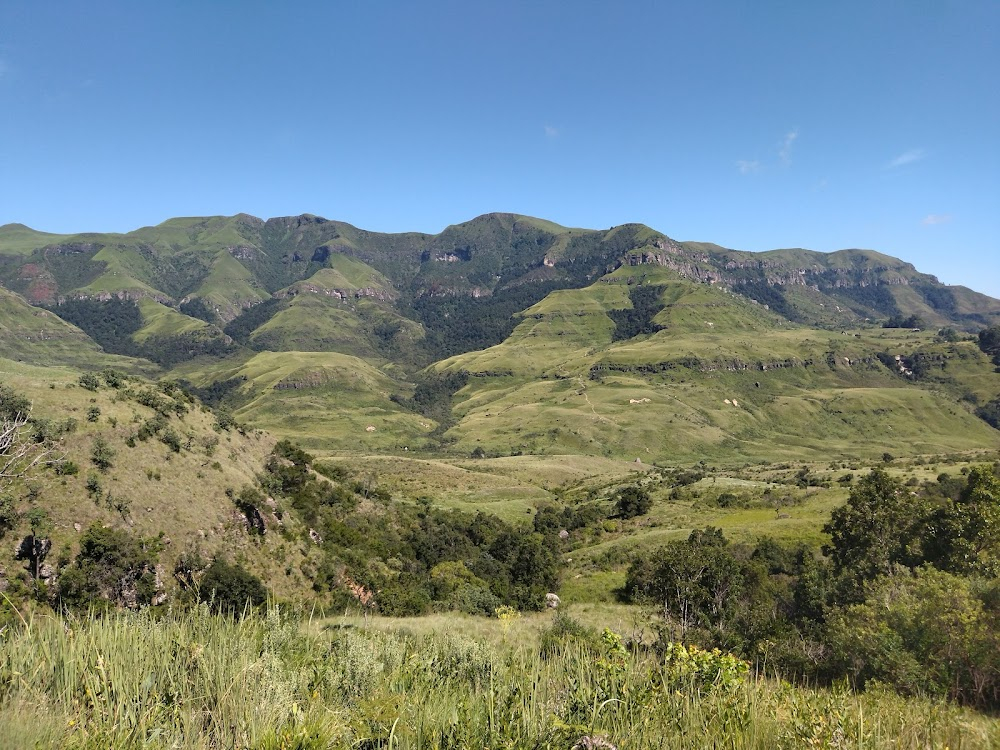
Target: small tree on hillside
<point>19,452</point>
<point>112,568</point>
<point>633,501</point>
<point>230,588</point>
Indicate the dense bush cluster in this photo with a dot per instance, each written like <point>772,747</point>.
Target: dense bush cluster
<point>404,559</point>
<point>244,324</point>
<point>433,394</point>
<point>904,321</point>
<point>989,342</point>
<point>907,592</point>
<point>769,295</point>
<point>112,322</point>
<point>638,319</point>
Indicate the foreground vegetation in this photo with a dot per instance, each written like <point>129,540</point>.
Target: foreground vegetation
<point>196,680</point>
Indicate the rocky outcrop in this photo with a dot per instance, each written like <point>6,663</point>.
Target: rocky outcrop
<point>704,268</point>
<point>305,380</point>
<point>369,292</point>
<point>123,294</point>
<point>243,252</point>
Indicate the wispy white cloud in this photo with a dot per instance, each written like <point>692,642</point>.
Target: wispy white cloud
<point>749,166</point>
<point>785,151</point>
<point>907,157</point>
<point>551,132</point>
<point>932,219</point>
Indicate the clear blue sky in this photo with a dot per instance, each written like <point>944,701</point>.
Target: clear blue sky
<point>755,125</point>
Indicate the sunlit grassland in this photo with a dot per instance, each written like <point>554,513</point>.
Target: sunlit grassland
<point>160,320</point>
<point>673,419</point>
<point>721,380</point>
<point>346,274</point>
<point>315,323</point>
<point>319,399</point>
<point>191,680</point>
<point>229,286</point>
<point>510,487</point>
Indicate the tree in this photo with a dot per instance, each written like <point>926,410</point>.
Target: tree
<point>967,530</point>
<point>927,632</point>
<point>698,581</point>
<point>633,501</point>
<point>102,455</point>
<point>19,453</point>
<point>989,342</point>
<point>880,525</point>
<point>41,524</point>
<point>230,588</point>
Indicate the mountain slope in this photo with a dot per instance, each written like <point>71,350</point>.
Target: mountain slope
<point>720,377</point>
<point>618,342</point>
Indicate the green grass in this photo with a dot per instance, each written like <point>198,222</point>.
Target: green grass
<point>159,320</point>
<point>345,274</point>
<point>35,336</point>
<point>720,382</point>
<point>229,286</point>
<point>181,494</point>
<point>319,399</point>
<point>195,681</point>
<point>17,239</point>
<point>315,323</point>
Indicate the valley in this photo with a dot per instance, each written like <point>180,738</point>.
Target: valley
<point>407,438</point>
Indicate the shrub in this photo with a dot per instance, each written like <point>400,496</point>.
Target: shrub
<point>171,439</point>
<point>633,501</point>
<point>565,631</point>
<point>927,633</point>
<point>114,378</point>
<point>230,588</point>
<point>89,381</point>
<point>102,455</point>
<point>93,485</point>
<point>112,568</point>
<point>67,469</point>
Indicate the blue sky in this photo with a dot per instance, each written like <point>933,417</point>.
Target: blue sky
<point>755,125</point>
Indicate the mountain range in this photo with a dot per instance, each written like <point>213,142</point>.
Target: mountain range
<point>509,334</point>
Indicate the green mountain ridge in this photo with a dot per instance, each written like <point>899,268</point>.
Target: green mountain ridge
<point>618,342</point>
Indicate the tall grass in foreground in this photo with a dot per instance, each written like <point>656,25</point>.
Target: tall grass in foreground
<point>192,680</point>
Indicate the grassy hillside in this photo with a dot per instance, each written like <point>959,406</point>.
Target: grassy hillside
<point>32,335</point>
<point>722,378</point>
<point>319,399</point>
<point>172,482</point>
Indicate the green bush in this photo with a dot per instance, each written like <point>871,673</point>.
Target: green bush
<point>89,381</point>
<point>922,634</point>
<point>633,501</point>
<point>171,439</point>
<point>102,455</point>
<point>230,588</point>
<point>564,632</point>
<point>67,468</point>
<point>113,568</point>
